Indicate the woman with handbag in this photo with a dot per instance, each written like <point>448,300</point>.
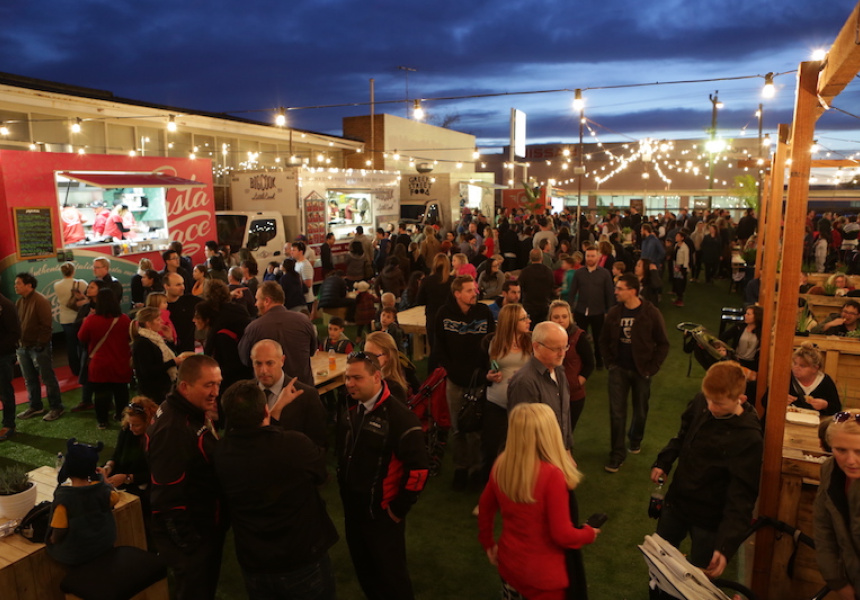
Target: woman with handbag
<point>70,296</point>
<point>530,484</point>
<point>106,337</point>
<point>155,364</point>
<point>509,348</point>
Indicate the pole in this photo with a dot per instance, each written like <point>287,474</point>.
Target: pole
<point>579,176</point>
<point>406,71</point>
<point>760,115</point>
<point>372,128</point>
<point>714,102</point>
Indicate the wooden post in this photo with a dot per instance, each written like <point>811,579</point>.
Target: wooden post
<point>802,131</point>
<point>770,245</point>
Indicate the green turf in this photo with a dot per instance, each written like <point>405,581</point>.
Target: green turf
<point>446,561</point>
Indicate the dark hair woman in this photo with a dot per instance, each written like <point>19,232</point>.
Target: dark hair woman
<point>293,286</point>
<point>105,335</point>
<point>354,263</point>
<point>434,292</point>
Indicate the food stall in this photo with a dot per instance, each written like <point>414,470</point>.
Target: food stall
<point>54,205</point>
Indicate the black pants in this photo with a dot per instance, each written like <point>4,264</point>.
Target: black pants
<point>679,284</point>
<point>577,587</point>
<point>596,324</point>
<point>711,269</point>
<point>378,551</point>
<point>494,431</point>
<point>195,569</point>
<point>104,393</point>
<point>576,408</point>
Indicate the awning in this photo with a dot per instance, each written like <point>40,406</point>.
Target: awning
<point>486,185</point>
<point>131,180</point>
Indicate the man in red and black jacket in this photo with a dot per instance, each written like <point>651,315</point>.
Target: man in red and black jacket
<point>382,467</point>
<point>186,521</point>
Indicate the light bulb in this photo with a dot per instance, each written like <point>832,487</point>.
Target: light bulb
<point>171,124</point>
<point>578,102</point>
<point>417,111</point>
<point>76,126</point>
<point>4,130</point>
<point>769,89</point>
<point>281,118</point>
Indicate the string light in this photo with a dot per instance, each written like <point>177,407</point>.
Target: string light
<point>281,117</point>
<point>76,126</point>
<point>417,111</point>
<point>769,89</point>
<point>4,130</point>
<point>171,124</point>
<point>578,102</point>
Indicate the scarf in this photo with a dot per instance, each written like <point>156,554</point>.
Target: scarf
<point>166,353</point>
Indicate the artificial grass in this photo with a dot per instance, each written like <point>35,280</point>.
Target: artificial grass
<point>446,561</point>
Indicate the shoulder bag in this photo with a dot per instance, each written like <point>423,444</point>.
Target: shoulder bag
<point>471,416</point>
<point>104,337</point>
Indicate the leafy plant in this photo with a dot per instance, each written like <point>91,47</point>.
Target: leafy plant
<point>805,320</point>
<point>13,480</point>
<point>829,289</point>
<point>747,190</point>
<point>533,204</point>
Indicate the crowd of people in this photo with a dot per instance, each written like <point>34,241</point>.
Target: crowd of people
<point>552,314</point>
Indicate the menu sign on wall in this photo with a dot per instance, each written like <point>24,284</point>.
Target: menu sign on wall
<point>34,232</point>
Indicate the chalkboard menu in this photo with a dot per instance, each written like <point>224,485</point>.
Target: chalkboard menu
<point>34,232</point>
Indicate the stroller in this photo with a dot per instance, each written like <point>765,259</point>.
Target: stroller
<point>703,345</point>
<point>430,405</point>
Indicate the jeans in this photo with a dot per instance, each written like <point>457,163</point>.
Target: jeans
<point>73,351</point>
<point>311,582</point>
<point>622,381</point>
<point>466,446</point>
<point>37,362</point>
<point>7,392</point>
<point>674,529</point>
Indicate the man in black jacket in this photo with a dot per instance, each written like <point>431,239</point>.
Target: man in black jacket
<point>101,271</point>
<point>634,345</point>
<point>269,477</point>
<point>382,467</point>
<point>186,515</point>
<point>461,325</point>
<point>10,333</point>
<point>719,452</point>
<point>592,288</point>
<point>538,287</point>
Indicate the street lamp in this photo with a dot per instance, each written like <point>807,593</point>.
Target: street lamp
<point>579,170</point>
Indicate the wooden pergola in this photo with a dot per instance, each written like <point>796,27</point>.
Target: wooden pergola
<point>782,232</point>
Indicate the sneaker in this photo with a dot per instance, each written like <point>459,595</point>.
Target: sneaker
<point>613,465</point>
<point>83,406</point>
<point>678,303</point>
<point>6,433</point>
<point>461,480</point>
<point>30,413</point>
<point>53,414</point>
<point>634,449</point>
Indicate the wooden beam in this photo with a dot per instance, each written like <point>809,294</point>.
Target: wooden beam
<point>753,163</point>
<point>770,246</point>
<point>802,133</point>
<point>842,62</point>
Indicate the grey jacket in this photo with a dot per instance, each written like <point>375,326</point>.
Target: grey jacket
<point>837,529</point>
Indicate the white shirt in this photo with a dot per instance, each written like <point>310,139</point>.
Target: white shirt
<point>306,271</point>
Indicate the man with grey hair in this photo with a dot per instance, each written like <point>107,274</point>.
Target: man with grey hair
<point>101,271</point>
<point>542,378</point>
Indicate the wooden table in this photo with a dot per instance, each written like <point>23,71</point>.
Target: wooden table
<point>412,321</point>
<point>798,487</point>
<point>326,379</point>
<point>26,570</point>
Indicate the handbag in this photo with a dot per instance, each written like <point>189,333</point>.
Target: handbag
<point>470,419</point>
<point>75,295</point>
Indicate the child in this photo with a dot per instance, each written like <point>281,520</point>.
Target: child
<point>461,266</point>
<point>365,309</point>
<point>272,272</point>
<point>82,525</point>
<point>159,300</point>
<point>719,451</point>
<point>387,323</point>
<point>618,269</point>
<point>336,339</point>
<point>386,300</point>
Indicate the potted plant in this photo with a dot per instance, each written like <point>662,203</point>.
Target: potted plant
<point>805,321</point>
<point>17,492</point>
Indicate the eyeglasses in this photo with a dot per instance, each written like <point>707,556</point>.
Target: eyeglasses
<point>842,417</point>
<point>137,408</point>
<point>367,357</point>
<point>525,318</point>
<point>849,312</point>
<point>556,350</point>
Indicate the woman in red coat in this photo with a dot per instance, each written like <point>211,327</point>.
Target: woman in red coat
<point>529,485</point>
<point>105,334</point>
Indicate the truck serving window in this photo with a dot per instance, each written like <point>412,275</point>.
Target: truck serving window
<point>231,230</point>
<point>260,233</point>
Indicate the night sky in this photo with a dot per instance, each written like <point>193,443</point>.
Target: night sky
<point>248,58</point>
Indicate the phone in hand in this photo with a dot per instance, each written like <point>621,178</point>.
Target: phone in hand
<point>597,520</point>
<point>494,366</point>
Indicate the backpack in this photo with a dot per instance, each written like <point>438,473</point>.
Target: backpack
<point>34,525</point>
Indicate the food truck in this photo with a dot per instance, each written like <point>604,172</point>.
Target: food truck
<point>441,198</point>
<point>312,202</point>
<point>58,207</point>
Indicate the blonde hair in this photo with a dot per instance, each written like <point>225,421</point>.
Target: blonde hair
<point>506,333</point>
<point>392,368</point>
<point>564,305</point>
<point>533,437</point>
<point>850,427</point>
<point>808,353</point>
<point>154,299</point>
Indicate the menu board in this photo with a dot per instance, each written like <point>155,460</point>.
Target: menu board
<point>34,232</point>
<point>315,219</point>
